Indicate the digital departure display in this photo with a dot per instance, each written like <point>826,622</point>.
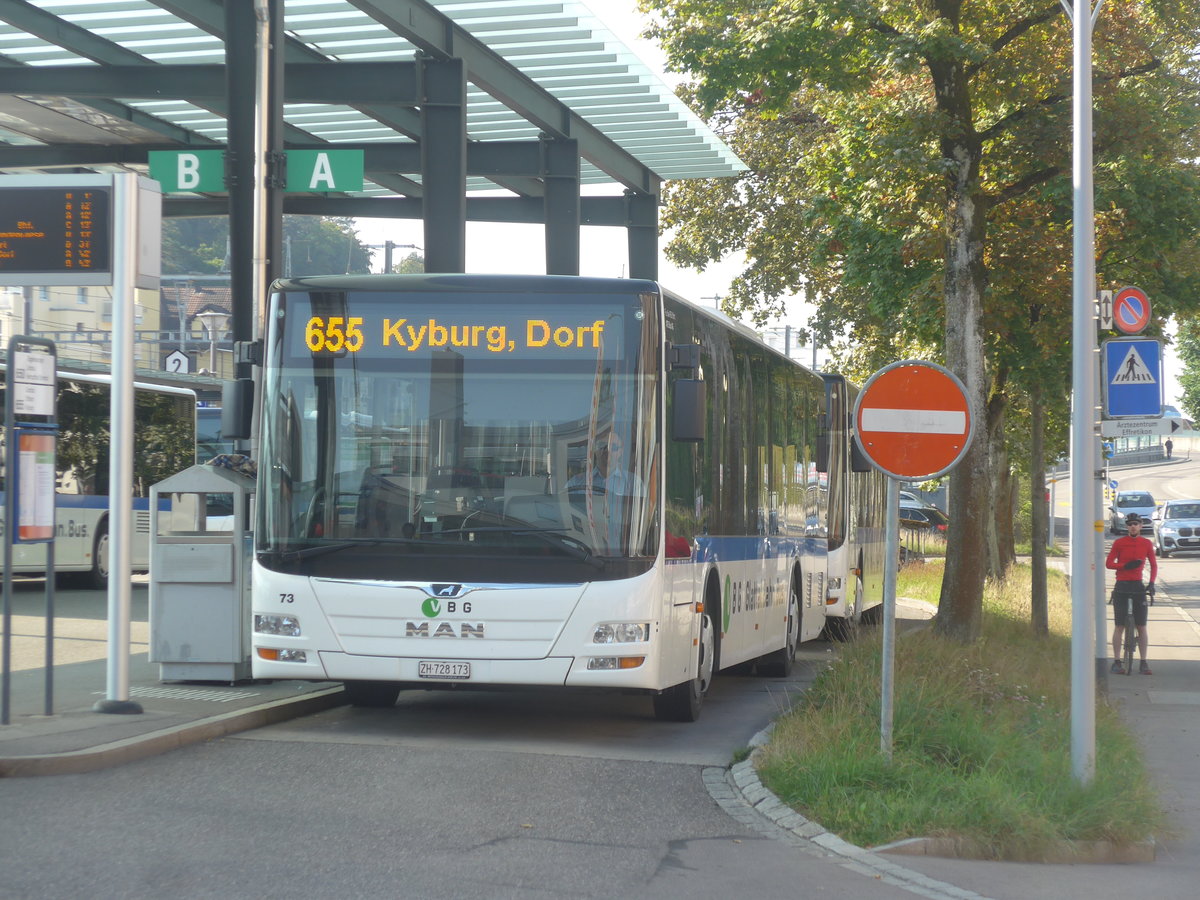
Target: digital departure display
<point>55,231</point>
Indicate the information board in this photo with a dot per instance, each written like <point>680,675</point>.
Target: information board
<point>56,235</point>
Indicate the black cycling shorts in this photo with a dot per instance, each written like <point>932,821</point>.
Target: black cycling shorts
<point>1120,603</point>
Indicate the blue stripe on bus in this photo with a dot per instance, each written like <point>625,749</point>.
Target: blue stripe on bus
<point>93,501</point>
<point>741,549</point>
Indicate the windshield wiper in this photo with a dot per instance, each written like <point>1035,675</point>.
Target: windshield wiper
<point>336,546</point>
<point>564,541</point>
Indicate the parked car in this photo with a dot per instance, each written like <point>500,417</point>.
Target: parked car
<point>1176,527</point>
<point>910,500</point>
<point>1126,502</point>
<point>924,517</point>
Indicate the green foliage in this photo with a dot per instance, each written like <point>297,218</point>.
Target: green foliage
<point>834,105</point>
<point>412,264</point>
<point>1188,349</point>
<point>980,740</point>
<point>312,246</point>
<point>194,246</point>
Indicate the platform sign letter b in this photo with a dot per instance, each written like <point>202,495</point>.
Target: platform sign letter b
<point>188,170</point>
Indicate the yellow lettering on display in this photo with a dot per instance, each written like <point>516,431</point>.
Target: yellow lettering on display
<point>334,334</point>
<point>540,333</point>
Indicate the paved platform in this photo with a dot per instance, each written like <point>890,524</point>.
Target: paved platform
<point>75,738</point>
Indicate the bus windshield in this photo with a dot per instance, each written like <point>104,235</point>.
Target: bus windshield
<point>408,433</point>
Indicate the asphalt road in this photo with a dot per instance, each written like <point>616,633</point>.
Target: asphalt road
<point>458,795</point>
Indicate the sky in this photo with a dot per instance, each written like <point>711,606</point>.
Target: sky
<point>495,248</point>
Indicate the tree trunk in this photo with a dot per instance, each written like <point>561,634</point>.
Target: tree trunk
<point>1000,539</point>
<point>960,608</point>
<point>1039,530</point>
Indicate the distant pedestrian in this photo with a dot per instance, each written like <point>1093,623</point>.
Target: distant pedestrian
<point>1169,447</point>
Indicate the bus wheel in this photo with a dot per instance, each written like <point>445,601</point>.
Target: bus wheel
<point>98,577</point>
<point>779,663</point>
<point>375,694</point>
<point>682,702</point>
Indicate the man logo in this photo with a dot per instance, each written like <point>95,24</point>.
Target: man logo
<point>446,590</point>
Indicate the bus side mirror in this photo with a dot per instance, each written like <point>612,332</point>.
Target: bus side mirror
<point>688,406</point>
<point>823,452</point>
<point>858,459</point>
<point>237,408</point>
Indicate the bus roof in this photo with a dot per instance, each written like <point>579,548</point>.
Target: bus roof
<point>563,284</point>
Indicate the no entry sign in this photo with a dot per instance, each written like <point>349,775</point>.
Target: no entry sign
<point>913,420</point>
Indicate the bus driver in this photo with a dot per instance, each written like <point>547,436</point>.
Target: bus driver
<point>609,474</point>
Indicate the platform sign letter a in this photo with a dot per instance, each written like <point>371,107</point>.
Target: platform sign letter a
<point>324,171</point>
<point>322,174</point>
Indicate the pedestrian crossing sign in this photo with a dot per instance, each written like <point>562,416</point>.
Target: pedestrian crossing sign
<point>1132,378</point>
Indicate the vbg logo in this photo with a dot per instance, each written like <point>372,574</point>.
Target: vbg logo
<point>432,605</point>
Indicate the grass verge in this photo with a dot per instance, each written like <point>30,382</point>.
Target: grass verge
<point>981,739</point>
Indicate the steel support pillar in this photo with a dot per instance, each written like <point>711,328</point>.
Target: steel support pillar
<point>240,30</point>
<point>444,163</point>
<point>560,170</point>
<point>642,230</point>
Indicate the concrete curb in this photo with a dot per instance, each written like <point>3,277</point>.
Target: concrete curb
<point>739,792</point>
<point>130,749</point>
<point>743,777</point>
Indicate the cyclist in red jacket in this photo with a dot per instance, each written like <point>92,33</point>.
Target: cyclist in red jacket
<point>1128,556</point>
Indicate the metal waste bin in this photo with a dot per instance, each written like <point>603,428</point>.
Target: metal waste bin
<point>200,575</point>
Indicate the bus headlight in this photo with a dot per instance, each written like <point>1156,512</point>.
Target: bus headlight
<point>621,633</point>
<point>288,626</point>
<point>612,663</point>
<point>282,655</point>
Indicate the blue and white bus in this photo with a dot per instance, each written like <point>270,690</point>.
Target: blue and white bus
<point>546,480</point>
<point>164,443</point>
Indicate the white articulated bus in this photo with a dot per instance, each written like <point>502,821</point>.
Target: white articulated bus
<point>545,480</point>
<point>164,442</point>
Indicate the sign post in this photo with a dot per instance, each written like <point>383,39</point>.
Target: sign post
<point>913,422</point>
<point>31,427</point>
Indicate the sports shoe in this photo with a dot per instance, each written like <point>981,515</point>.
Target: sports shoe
<point>1145,668</point>
<point>1117,668</point>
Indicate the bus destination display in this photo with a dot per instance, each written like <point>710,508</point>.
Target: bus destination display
<point>55,230</point>
<point>412,327</point>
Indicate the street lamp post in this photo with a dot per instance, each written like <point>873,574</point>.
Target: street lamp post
<point>214,322</point>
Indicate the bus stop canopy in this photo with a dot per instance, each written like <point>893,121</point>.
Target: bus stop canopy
<point>96,83</point>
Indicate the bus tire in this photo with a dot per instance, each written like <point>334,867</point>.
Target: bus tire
<point>97,578</point>
<point>779,664</point>
<point>372,694</point>
<point>682,702</point>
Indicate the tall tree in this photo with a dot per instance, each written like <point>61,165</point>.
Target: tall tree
<point>911,161</point>
<point>1188,347</point>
